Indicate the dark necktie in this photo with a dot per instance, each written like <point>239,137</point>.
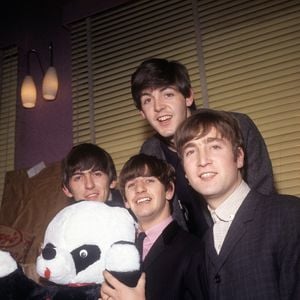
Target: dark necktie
<point>139,242</point>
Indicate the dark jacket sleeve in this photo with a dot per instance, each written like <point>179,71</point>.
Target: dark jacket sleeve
<point>258,171</point>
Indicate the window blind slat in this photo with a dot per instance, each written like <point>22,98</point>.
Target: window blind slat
<point>120,39</point>
<point>8,95</point>
<point>252,61</point>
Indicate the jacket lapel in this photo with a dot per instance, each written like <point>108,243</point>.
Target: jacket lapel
<point>236,231</point>
<point>159,245</point>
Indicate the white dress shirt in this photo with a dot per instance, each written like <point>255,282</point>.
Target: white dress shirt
<point>225,213</point>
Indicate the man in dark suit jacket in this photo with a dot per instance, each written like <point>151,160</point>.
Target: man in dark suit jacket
<point>171,257</point>
<point>252,249</point>
<point>162,92</point>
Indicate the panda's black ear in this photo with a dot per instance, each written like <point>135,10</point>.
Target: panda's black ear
<point>18,286</point>
<point>84,256</point>
<point>128,278</point>
<point>126,270</point>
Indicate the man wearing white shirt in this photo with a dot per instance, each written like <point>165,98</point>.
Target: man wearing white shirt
<point>252,249</point>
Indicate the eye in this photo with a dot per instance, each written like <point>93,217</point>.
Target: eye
<point>130,185</point>
<point>189,152</point>
<point>76,177</point>
<point>97,173</point>
<point>216,147</point>
<point>146,100</point>
<point>169,95</point>
<point>83,253</point>
<point>149,180</point>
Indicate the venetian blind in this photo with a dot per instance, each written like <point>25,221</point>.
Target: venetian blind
<point>106,49</point>
<point>252,59</point>
<point>8,94</point>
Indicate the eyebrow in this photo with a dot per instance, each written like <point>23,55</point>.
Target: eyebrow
<point>215,139</point>
<point>206,141</point>
<point>79,172</point>
<point>160,89</point>
<point>76,173</point>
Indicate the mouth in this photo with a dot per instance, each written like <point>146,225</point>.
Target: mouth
<point>91,196</point>
<point>164,118</point>
<point>47,273</point>
<point>143,200</point>
<point>207,175</point>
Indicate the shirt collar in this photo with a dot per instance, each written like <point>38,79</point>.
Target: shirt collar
<point>154,232</point>
<point>227,210</point>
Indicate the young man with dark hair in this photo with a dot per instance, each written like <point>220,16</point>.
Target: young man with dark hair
<point>252,250</point>
<point>162,92</point>
<point>89,173</point>
<point>171,257</point>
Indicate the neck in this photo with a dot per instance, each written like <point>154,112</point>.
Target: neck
<point>145,225</point>
<point>214,203</point>
<point>169,141</point>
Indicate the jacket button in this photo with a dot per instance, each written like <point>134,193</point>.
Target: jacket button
<point>217,278</point>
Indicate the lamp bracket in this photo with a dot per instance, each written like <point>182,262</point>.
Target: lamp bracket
<point>34,51</point>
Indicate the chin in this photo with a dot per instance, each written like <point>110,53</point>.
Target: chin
<point>166,135</point>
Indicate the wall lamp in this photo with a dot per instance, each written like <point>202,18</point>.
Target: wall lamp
<point>50,81</point>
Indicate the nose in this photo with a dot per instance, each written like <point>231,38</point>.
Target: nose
<point>140,186</point>
<point>158,104</point>
<point>49,252</point>
<point>89,181</point>
<point>203,158</point>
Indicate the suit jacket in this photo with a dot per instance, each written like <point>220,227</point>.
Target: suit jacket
<point>260,256</point>
<point>174,266</point>
<point>258,171</point>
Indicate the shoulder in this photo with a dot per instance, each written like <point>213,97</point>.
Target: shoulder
<point>151,141</point>
<point>282,201</point>
<point>289,203</point>
<point>116,198</point>
<point>152,146</point>
<point>248,127</point>
<point>283,207</point>
<point>174,234</point>
<point>241,117</point>
<point>245,122</point>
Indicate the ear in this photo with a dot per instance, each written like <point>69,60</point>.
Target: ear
<point>113,184</point>
<point>170,191</point>
<point>186,178</point>
<point>240,158</point>
<point>126,204</point>
<point>190,100</point>
<point>67,192</point>
<point>142,114</point>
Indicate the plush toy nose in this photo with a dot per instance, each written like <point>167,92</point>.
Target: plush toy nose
<point>49,252</point>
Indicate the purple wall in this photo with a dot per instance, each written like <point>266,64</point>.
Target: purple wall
<point>44,133</point>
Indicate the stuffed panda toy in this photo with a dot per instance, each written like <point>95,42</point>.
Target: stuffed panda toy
<point>80,242</point>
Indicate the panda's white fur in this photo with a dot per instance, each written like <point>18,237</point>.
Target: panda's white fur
<point>7,263</point>
<point>89,223</point>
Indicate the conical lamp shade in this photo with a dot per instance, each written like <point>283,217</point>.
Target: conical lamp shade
<point>50,84</point>
<point>28,92</point>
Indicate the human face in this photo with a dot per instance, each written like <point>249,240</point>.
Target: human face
<point>165,109</point>
<point>148,199</point>
<point>211,167</point>
<point>89,185</point>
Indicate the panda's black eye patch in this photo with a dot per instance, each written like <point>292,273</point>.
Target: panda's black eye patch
<point>84,256</point>
<point>49,252</point>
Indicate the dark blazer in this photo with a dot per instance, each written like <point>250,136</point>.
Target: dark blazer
<point>174,266</point>
<point>258,168</point>
<point>260,256</point>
